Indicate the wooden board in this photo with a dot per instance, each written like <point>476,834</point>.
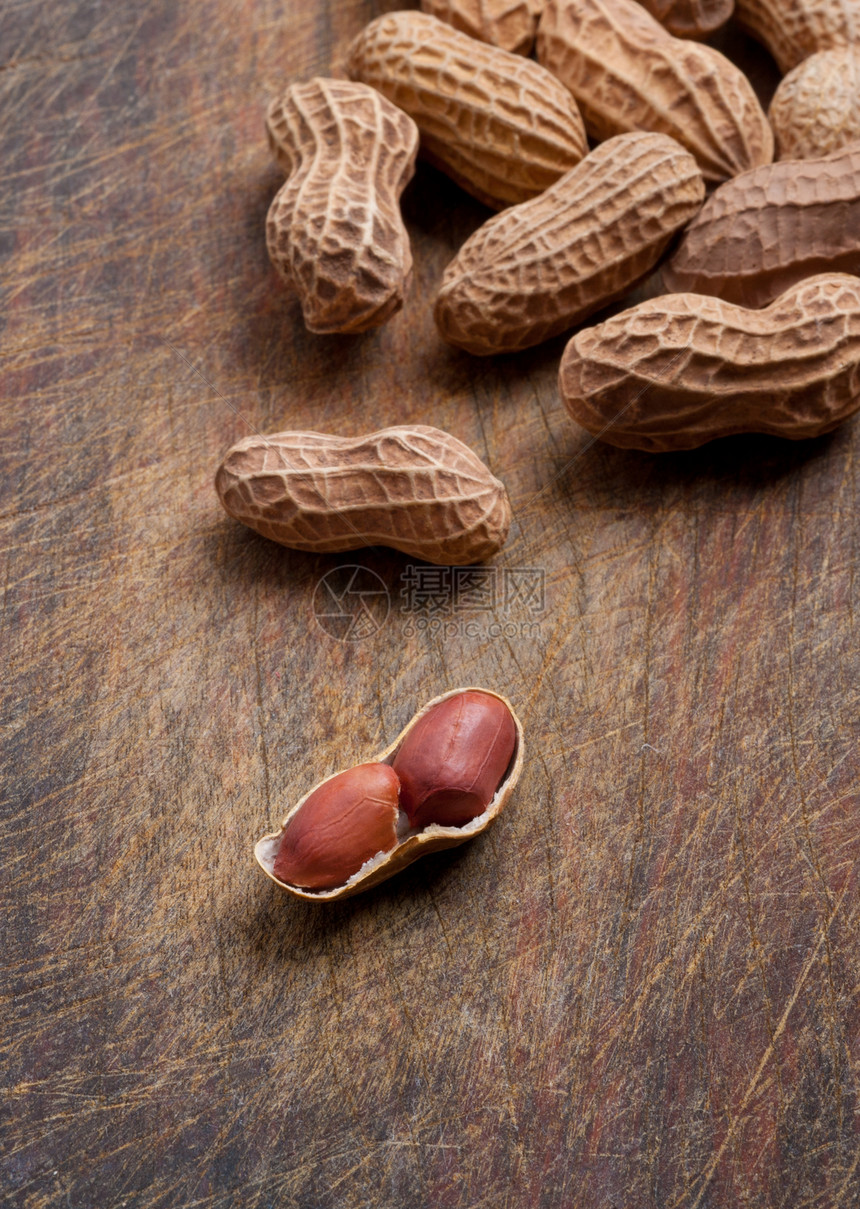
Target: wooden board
<point>640,988</point>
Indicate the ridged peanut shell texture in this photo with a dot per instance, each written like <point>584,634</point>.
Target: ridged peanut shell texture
<point>816,109</point>
<point>334,230</point>
<point>627,73</point>
<point>498,124</point>
<point>414,488</point>
<point>411,840</point>
<point>684,369</point>
<point>540,268</point>
<point>508,24</point>
<point>690,18</point>
<point>767,229</point>
<point>792,30</point>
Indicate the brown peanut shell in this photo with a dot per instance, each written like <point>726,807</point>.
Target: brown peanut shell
<point>677,371</point>
<point>816,109</point>
<point>762,232</point>
<point>690,18</point>
<point>792,30</point>
<point>628,73</point>
<point>508,24</point>
<point>539,268</point>
<point>414,844</point>
<point>334,230</point>
<point>413,488</point>
<point>498,124</point>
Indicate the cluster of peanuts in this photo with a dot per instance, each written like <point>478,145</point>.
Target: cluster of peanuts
<point>761,332</point>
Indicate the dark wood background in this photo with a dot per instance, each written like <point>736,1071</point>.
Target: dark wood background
<point>640,988</point>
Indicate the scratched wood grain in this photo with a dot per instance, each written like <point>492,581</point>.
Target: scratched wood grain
<point>640,989</point>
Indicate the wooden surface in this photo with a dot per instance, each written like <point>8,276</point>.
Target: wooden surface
<point>640,988</point>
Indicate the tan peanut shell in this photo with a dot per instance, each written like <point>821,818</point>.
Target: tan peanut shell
<point>816,109</point>
<point>414,488</point>
<point>680,370</point>
<point>508,24</point>
<point>498,124</point>
<point>627,73</point>
<point>412,844</point>
<point>539,268</point>
<point>690,18</point>
<point>792,30</point>
<point>762,232</point>
<point>334,230</point>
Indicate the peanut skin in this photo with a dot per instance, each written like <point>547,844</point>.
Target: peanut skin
<point>792,30</point>
<point>334,230</point>
<point>539,268</point>
<point>414,488</point>
<point>453,760</point>
<point>767,229</point>
<point>690,18</point>
<point>498,124</point>
<point>628,73</point>
<point>343,823</point>
<point>816,109</point>
<point>684,369</point>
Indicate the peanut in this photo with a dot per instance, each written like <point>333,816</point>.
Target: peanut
<point>792,30</point>
<point>498,124</point>
<point>414,488</point>
<point>452,761</point>
<point>772,227</point>
<point>508,24</point>
<point>334,230</point>
<point>690,18</point>
<point>541,267</point>
<point>443,780</point>
<point>627,73</point>
<point>680,370</point>
<point>345,821</point>
<point>816,109</point>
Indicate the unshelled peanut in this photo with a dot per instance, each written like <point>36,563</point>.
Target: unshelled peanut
<point>627,73</point>
<point>444,779</point>
<point>334,230</point>
<point>816,109</point>
<point>539,268</point>
<point>690,18</point>
<point>508,24</point>
<point>498,124</point>
<point>414,488</point>
<point>680,370</point>
<point>770,228</point>
<point>792,30</point>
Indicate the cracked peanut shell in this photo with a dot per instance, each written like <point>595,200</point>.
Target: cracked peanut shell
<point>816,109</point>
<point>539,268</point>
<point>690,18</point>
<point>677,371</point>
<point>414,488</point>
<point>334,230</point>
<point>628,73</point>
<point>412,843</point>
<point>792,30</point>
<point>498,124</point>
<point>762,232</point>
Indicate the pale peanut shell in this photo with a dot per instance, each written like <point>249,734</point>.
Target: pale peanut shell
<point>816,109</point>
<point>414,488</point>
<point>414,845</point>
<point>677,371</point>
<point>792,30</point>
<point>627,73</point>
<point>508,24</point>
<point>498,124</point>
<point>334,230</point>
<point>767,229</point>
<point>539,268</point>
